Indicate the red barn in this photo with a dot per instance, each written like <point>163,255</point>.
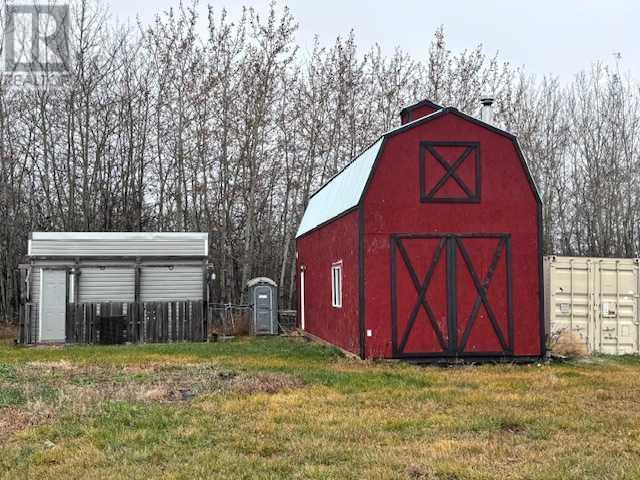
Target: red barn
<point>427,246</point>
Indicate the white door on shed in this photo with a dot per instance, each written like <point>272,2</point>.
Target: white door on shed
<point>53,305</point>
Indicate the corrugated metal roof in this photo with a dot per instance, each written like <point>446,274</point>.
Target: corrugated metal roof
<point>119,236</point>
<point>129,244</point>
<point>341,193</point>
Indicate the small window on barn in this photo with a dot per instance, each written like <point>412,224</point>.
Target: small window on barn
<point>449,172</point>
<point>336,285</point>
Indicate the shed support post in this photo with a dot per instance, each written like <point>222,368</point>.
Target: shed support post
<point>28,280</point>
<point>137,335</point>
<point>23,291</point>
<point>136,287</point>
<point>74,282</point>
<point>205,300</point>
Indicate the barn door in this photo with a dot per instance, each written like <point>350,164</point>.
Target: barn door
<point>451,295</point>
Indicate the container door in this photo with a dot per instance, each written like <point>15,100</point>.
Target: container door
<point>618,325</point>
<point>263,304</point>
<point>451,295</point>
<point>571,298</point>
<point>53,305</point>
<point>597,299</point>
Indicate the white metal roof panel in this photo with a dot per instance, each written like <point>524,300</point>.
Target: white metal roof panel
<point>341,193</point>
<point>119,236</point>
<point>130,244</point>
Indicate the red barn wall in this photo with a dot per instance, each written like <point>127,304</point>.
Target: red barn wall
<point>317,251</point>
<point>508,204</point>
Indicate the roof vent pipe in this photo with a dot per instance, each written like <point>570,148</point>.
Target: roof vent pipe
<point>486,113</point>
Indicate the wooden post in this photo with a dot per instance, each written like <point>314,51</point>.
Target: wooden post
<point>174,323</point>
<point>137,306</point>
<point>142,318</point>
<point>178,321</point>
<point>162,324</point>
<point>76,281</point>
<point>29,323</point>
<point>131,312</point>
<point>205,294</point>
<point>21,309</point>
<point>94,323</point>
<point>68,319</point>
<point>156,307</point>
<point>149,314</point>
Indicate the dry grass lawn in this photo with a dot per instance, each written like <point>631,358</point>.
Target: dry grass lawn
<point>283,408</point>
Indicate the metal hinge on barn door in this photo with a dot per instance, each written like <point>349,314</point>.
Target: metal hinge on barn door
<point>451,295</point>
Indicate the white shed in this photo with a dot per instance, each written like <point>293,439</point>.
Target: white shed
<point>71,269</point>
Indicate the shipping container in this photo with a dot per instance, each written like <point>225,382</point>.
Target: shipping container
<point>597,298</point>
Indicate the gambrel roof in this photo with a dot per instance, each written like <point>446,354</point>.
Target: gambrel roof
<point>343,192</point>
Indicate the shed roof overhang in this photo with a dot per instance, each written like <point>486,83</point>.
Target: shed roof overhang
<point>119,236</point>
<point>118,245</point>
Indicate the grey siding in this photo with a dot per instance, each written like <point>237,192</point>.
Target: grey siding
<point>159,283</point>
<point>35,301</point>
<point>108,285</point>
<point>35,285</point>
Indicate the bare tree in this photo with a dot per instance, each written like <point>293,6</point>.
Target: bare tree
<point>160,128</point>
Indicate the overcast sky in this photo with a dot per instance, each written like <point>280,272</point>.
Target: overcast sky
<point>558,37</point>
